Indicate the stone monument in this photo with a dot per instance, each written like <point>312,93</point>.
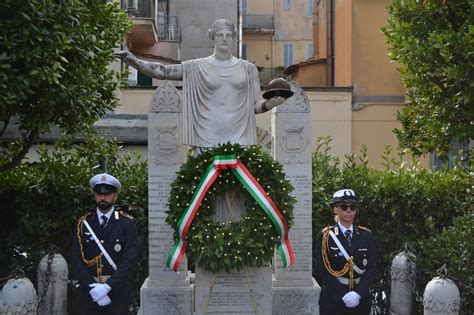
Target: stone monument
<point>221,95</point>
<point>295,291</point>
<point>164,291</point>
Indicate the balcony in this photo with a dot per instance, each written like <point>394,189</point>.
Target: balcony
<point>258,23</point>
<point>150,22</point>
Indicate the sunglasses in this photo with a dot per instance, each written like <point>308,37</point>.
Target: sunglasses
<point>344,207</point>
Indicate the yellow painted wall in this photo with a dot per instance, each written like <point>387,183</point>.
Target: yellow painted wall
<point>260,6</point>
<point>312,75</point>
<point>343,43</point>
<point>299,51</point>
<point>259,45</point>
<point>134,101</point>
<point>331,115</point>
<point>372,71</point>
<point>319,30</point>
<point>292,26</point>
<point>373,127</point>
<point>259,49</point>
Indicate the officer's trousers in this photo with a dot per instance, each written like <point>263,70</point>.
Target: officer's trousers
<point>340,308</point>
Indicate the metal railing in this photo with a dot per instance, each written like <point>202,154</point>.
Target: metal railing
<point>257,21</point>
<point>140,8</point>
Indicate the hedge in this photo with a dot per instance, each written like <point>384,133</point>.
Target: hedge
<point>402,203</point>
<point>432,211</point>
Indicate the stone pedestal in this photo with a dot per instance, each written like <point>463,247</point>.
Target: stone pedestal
<point>294,289</point>
<point>164,291</point>
<point>248,291</point>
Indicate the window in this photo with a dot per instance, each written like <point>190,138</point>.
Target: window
<point>287,4</point>
<point>287,54</point>
<point>309,7</point>
<point>143,80</point>
<point>244,51</point>
<point>309,50</point>
<point>459,155</point>
<point>136,78</point>
<point>244,13</point>
<point>132,76</point>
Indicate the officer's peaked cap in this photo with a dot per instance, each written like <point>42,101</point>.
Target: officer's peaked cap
<point>344,195</point>
<point>104,183</point>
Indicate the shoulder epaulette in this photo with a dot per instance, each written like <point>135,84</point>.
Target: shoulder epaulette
<point>327,228</point>
<point>125,214</point>
<point>364,228</point>
<point>82,218</point>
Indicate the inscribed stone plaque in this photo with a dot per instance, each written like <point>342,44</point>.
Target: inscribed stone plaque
<point>163,164</point>
<point>248,291</point>
<point>294,288</point>
<point>164,291</point>
<point>166,300</point>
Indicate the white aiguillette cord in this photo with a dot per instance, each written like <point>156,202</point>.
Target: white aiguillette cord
<point>343,251</point>
<point>102,249</point>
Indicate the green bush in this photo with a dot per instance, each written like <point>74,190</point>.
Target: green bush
<point>41,202</point>
<point>400,203</point>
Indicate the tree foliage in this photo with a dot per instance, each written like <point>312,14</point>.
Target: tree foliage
<point>42,201</point>
<point>401,203</point>
<point>54,58</point>
<point>433,42</point>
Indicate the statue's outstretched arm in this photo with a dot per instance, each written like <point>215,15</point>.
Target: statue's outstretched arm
<point>262,105</point>
<point>152,69</point>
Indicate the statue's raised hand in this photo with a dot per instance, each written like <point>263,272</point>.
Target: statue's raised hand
<point>126,56</point>
<point>273,102</point>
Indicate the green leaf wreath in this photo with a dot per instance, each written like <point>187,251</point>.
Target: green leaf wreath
<point>217,246</point>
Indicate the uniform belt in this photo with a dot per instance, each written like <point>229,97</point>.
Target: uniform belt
<point>102,279</point>
<point>346,280</point>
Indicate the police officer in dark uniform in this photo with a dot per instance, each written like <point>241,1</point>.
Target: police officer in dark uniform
<point>346,260</point>
<point>104,252</point>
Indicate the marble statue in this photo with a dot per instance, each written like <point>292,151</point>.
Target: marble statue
<point>221,92</point>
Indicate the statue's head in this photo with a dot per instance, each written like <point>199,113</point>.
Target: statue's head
<point>219,25</point>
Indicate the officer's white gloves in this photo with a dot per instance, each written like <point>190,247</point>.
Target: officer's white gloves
<point>351,299</point>
<point>99,290</point>
<point>104,301</point>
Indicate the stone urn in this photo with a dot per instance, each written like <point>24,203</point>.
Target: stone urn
<point>402,280</point>
<point>18,296</point>
<point>441,297</point>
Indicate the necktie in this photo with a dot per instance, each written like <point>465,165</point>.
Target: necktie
<point>104,221</point>
<point>347,234</point>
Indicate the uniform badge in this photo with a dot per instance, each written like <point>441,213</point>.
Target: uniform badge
<point>364,262</point>
<point>117,247</point>
<point>90,237</point>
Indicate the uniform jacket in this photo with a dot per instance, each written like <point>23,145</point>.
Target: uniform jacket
<point>364,255</point>
<point>120,240</point>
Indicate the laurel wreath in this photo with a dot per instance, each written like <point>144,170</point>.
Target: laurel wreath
<point>217,246</point>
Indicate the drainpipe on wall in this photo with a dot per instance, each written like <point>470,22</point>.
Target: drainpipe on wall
<point>272,64</point>
<point>330,17</point>
<point>239,28</point>
<point>316,30</point>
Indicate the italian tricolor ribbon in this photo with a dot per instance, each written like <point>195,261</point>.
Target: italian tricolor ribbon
<point>256,191</point>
